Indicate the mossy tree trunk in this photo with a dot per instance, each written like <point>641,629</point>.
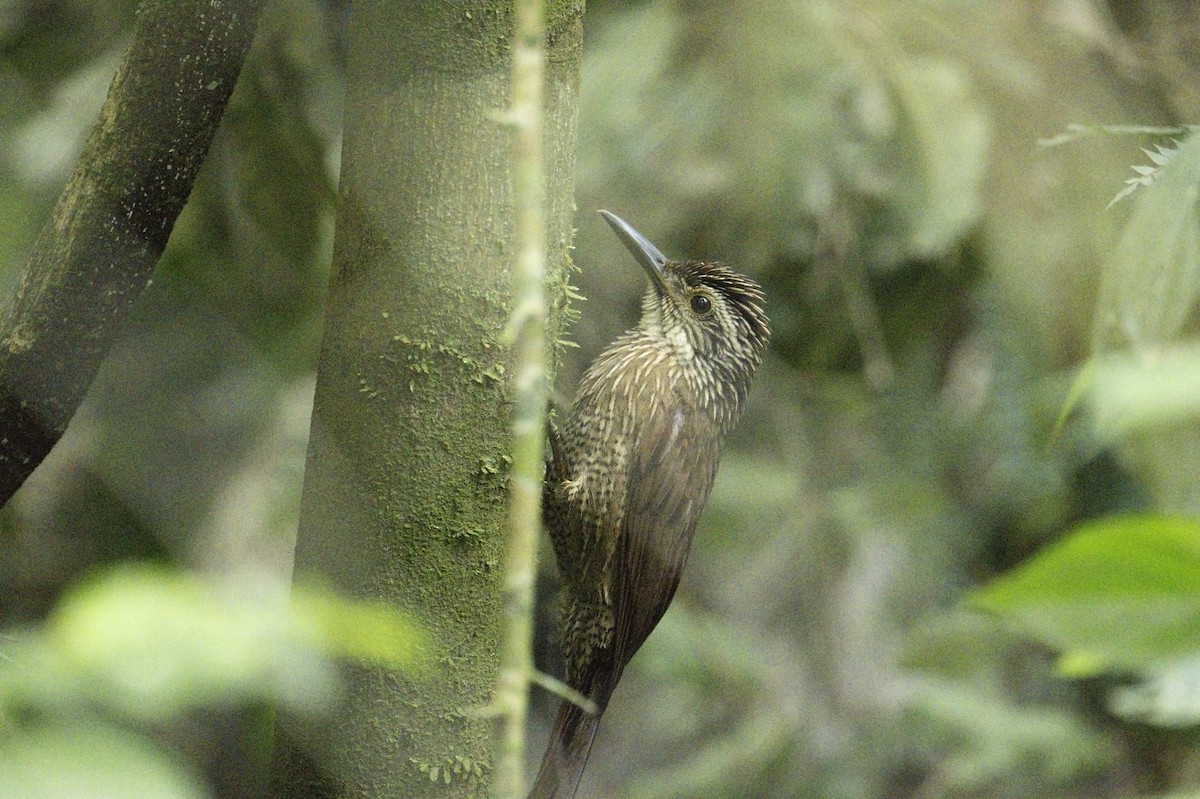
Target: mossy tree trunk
<point>405,484</point>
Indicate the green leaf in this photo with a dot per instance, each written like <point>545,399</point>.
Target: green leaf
<point>1079,390</point>
<point>1118,593</point>
<point>1150,283</point>
<point>370,631</point>
<point>96,762</point>
<point>1167,696</point>
<point>151,643</point>
<point>1132,394</point>
<point>945,141</point>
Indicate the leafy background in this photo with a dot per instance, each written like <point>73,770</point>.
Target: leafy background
<point>951,550</point>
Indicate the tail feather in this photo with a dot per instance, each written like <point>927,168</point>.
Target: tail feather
<point>566,753</point>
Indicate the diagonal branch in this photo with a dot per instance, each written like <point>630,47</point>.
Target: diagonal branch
<point>96,255</point>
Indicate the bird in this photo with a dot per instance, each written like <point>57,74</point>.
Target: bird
<point>630,470</point>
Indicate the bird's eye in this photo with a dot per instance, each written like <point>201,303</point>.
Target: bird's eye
<point>701,304</point>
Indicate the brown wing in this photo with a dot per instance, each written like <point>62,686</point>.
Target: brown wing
<point>671,474</point>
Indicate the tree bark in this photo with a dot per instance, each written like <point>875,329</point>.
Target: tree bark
<point>405,485</point>
<point>96,255</point>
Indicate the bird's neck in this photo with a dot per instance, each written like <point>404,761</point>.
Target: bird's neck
<point>648,365</point>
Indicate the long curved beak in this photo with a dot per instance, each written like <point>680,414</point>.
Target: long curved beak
<point>649,257</point>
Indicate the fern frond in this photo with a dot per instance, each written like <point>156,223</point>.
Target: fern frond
<point>1160,156</point>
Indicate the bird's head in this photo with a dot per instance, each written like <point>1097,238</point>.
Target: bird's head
<point>705,311</point>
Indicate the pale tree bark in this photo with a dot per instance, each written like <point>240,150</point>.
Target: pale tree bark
<point>96,254</point>
<point>404,493</point>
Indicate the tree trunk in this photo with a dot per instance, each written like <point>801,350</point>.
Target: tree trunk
<point>405,484</point>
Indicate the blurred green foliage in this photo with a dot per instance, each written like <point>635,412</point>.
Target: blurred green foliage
<point>190,444</point>
<point>1119,593</point>
<point>137,649</point>
<point>938,284</point>
<point>973,358</point>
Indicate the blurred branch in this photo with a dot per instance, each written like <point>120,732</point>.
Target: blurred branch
<point>560,689</point>
<point>860,307</point>
<point>1074,132</point>
<point>528,328</point>
<point>96,255</point>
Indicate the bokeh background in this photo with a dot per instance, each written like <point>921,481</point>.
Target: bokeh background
<point>936,280</point>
